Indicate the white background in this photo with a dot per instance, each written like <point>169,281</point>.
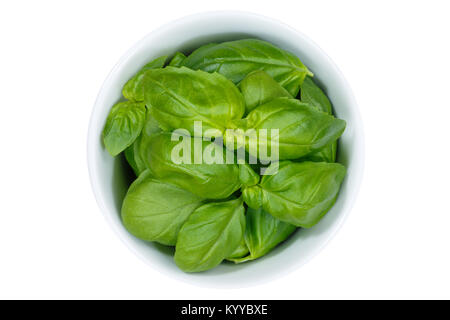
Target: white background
<point>55,243</point>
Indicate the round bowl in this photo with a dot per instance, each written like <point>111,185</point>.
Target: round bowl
<point>110,177</point>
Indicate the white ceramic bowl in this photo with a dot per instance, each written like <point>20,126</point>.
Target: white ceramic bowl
<point>110,183</point>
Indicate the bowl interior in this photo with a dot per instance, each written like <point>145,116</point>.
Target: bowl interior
<point>111,176</point>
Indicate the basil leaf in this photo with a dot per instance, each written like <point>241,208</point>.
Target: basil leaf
<point>300,193</point>
<point>133,153</point>
<point>247,175</point>
<point>154,210</point>
<point>326,154</point>
<point>150,129</point>
<point>129,156</point>
<point>211,233</point>
<point>180,96</point>
<point>252,196</point>
<point>123,126</point>
<point>302,129</point>
<point>209,180</point>
<point>259,88</point>
<point>263,232</point>
<point>134,88</point>
<point>177,60</point>
<point>312,94</point>
<point>240,252</point>
<point>236,59</point>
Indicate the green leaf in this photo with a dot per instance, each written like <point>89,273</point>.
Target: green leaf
<point>259,88</point>
<point>312,94</point>
<point>208,180</point>
<point>211,233</point>
<point>301,193</point>
<point>154,210</point>
<point>133,153</point>
<point>123,126</point>
<point>252,196</point>
<point>236,59</point>
<point>263,232</point>
<point>129,156</point>
<point>134,88</point>
<point>326,154</point>
<point>180,96</point>
<point>240,252</point>
<point>247,175</point>
<point>150,129</point>
<point>301,129</point>
<point>177,60</point>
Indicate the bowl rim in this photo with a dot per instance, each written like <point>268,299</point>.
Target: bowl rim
<point>357,173</point>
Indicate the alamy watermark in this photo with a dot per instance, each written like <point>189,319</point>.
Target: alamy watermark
<point>249,145</point>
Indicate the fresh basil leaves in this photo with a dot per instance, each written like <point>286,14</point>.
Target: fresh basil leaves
<point>177,60</point>
<point>123,126</point>
<point>301,129</point>
<point>167,160</point>
<point>236,59</point>
<point>299,193</point>
<point>314,96</point>
<point>178,97</point>
<point>212,200</point>
<point>263,233</point>
<point>150,213</point>
<point>134,88</point>
<point>259,88</point>
<point>211,234</point>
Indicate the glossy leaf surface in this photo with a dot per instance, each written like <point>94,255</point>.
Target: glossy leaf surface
<point>212,181</point>
<point>263,232</point>
<point>300,193</point>
<point>154,210</point>
<point>211,234</point>
<point>123,126</point>
<point>134,88</point>
<point>312,94</point>
<point>259,88</point>
<point>177,60</point>
<point>179,96</point>
<point>301,128</point>
<point>236,59</point>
